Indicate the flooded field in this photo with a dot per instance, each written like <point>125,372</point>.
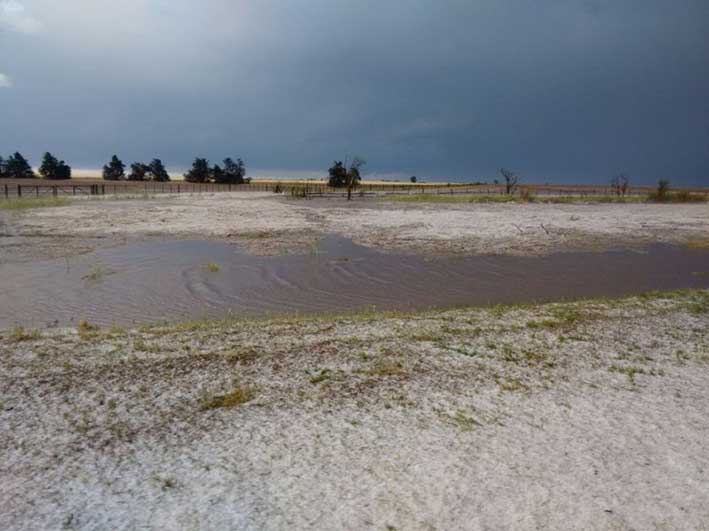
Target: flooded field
<point>181,280</point>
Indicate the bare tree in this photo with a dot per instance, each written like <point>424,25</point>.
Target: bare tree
<point>511,181</point>
<point>619,184</point>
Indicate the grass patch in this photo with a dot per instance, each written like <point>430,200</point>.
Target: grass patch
<point>87,331</point>
<point>19,334</point>
<point>698,244</point>
<point>242,356</point>
<point>385,368</point>
<point>124,197</point>
<point>464,422</point>
<point>237,397</point>
<point>680,196</point>
<point>451,198</point>
<point>213,268</point>
<point>548,324</point>
<point>143,346</point>
<point>23,203</point>
<point>512,385</point>
<point>629,371</point>
<point>426,337</point>
<point>524,197</point>
<point>322,376</point>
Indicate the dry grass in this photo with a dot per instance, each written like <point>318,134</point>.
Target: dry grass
<point>87,331</point>
<point>237,397</point>
<point>698,244</point>
<point>19,334</point>
<point>23,203</point>
<point>525,196</point>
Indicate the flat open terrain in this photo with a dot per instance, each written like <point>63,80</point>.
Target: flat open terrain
<point>578,415</point>
<point>564,416</point>
<point>267,223</point>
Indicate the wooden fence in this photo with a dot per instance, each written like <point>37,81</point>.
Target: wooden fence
<point>30,188</point>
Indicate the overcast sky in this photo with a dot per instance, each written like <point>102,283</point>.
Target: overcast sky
<point>556,90</point>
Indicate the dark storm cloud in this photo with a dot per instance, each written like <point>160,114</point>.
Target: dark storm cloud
<point>555,89</point>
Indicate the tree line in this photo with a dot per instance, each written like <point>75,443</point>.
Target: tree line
<point>17,167</point>
<point>231,173</point>
<point>201,172</point>
<point>115,170</point>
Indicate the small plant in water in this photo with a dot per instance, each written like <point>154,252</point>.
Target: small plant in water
<point>96,273</point>
<point>213,268</point>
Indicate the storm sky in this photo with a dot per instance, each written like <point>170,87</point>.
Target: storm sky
<point>556,90</point>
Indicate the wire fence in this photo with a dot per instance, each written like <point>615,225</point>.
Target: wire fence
<point>34,188</point>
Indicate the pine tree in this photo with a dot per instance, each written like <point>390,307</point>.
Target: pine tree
<point>50,164</point>
<point>54,169</point>
<point>218,175</point>
<point>114,170</point>
<point>199,172</point>
<point>17,167</point>
<point>138,171</point>
<point>158,171</point>
<point>63,170</point>
<point>234,171</point>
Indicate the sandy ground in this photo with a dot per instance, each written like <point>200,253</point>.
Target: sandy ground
<point>589,415</point>
<point>270,224</point>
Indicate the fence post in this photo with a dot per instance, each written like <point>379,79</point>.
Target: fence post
<point>19,190</point>
<point>54,191</point>
<point>6,192</point>
<point>36,191</point>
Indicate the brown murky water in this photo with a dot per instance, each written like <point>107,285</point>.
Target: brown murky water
<point>171,281</point>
